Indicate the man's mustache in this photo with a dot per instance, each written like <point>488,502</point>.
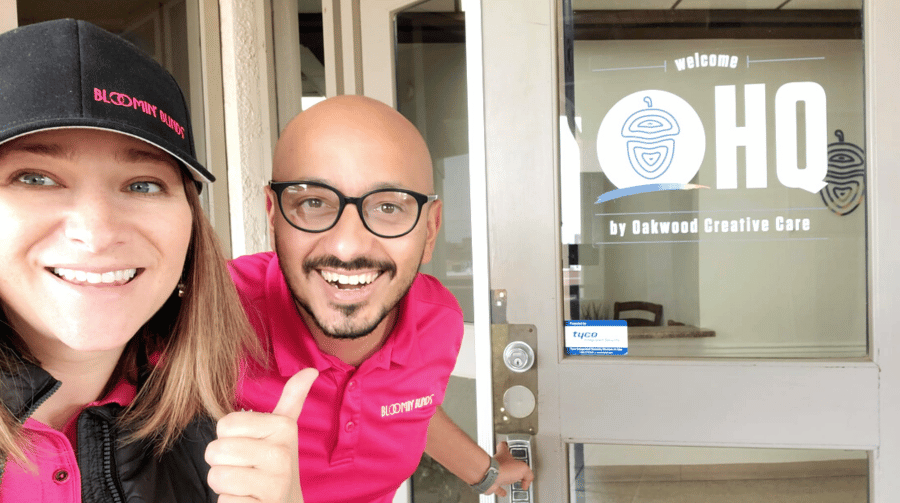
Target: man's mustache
<point>332,262</point>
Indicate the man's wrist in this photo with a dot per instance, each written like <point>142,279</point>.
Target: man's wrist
<point>489,478</point>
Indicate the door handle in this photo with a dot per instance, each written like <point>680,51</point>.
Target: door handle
<point>518,356</point>
<point>520,447</point>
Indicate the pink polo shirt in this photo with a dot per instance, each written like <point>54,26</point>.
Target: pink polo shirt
<point>362,430</point>
<point>57,478</point>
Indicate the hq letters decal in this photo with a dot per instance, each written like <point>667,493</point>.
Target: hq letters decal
<point>654,140</point>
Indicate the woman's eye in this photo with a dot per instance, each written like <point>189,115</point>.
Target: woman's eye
<point>36,179</point>
<point>145,187</point>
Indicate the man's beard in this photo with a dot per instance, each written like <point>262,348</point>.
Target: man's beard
<point>347,329</point>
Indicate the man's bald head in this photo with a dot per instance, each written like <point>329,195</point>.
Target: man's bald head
<point>354,129</point>
<point>347,279</point>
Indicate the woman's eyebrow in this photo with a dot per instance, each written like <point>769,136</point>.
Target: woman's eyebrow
<point>141,155</point>
<point>45,149</point>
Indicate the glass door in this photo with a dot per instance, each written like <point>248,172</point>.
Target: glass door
<point>687,203</point>
<point>681,199</point>
<point>413,57</point>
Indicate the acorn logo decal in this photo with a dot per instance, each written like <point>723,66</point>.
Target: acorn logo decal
<point>649,140</point>
<point>846,176</point>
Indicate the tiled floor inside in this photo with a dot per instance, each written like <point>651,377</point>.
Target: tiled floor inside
<point>842,489</point>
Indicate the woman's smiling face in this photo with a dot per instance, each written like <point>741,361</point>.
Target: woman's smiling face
<point>96,226</point>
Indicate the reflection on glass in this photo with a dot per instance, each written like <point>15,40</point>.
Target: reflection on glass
<point>712,166</point>
<point>312,52</point>
<point>431,93</point>
<point>643,474</point>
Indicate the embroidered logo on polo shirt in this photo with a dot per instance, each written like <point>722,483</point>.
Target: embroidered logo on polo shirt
<point>408,405</point>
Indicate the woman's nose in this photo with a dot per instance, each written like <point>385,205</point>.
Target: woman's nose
<point>95,222</point>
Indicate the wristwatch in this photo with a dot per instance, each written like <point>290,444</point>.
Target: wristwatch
<point>489,478</point>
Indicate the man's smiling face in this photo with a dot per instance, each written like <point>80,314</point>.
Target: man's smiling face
<point>346,279</point>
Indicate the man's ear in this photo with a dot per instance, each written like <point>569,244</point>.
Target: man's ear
<point>432,226</point>
<point>271,213</point>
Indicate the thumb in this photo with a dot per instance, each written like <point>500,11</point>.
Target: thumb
<point>294,394</point>
<point>502,449</point>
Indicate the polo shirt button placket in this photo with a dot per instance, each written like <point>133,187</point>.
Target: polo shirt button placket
<point>353,403</point>
<point>348,437</point>
<point>60,476</point>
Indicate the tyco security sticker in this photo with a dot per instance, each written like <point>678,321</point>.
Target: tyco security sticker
<point>596,337</point>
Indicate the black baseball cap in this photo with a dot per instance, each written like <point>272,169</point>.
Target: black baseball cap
<point>67,73</point>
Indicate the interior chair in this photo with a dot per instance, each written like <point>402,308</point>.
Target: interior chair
<point>655,310</point>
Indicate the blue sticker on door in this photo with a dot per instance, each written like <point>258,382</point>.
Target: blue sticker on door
<point>596,337</point>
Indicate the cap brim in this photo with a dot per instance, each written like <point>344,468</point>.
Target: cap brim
<point>195,169</point>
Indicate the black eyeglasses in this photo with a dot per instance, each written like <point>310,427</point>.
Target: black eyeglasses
<point>316,207</point>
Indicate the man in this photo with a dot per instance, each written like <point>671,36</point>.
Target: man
<point>352,216</point>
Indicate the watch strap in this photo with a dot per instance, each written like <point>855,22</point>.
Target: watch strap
<point>490,477</point>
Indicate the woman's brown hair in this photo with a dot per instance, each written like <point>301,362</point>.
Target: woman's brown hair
<point>186,358</point>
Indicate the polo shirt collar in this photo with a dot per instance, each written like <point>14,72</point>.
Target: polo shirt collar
<point>403,342</point>
<point>292,345</point>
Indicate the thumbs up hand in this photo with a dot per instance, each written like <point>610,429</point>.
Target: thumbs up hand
<point>255,455</point>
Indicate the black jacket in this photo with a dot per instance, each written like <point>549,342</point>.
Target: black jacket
<point>112,471</point>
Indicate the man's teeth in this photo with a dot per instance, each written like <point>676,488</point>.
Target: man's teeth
<point>95,277</point>
<point>355,279</point>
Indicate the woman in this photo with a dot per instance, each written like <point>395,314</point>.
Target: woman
<point>122,330</point>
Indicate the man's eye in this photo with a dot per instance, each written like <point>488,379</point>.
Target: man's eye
<point>145,187</point>
<point>389,208</point>
<point>312,203</point>
<point>36,179</point>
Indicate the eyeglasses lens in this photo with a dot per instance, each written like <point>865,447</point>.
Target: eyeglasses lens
<point>313,208</point>
<point>390,213</point>
<point>310,207</point>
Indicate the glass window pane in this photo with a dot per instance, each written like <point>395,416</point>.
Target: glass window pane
<point>431,93</point>
<point>643,474</point>
<point>715,158</point>
<point>312,52</point>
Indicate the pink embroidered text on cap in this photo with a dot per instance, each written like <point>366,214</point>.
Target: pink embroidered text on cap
<point>123,100</point>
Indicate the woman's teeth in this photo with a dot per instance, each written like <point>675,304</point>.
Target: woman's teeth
<point>353,279</point>
<point>95,277</point>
